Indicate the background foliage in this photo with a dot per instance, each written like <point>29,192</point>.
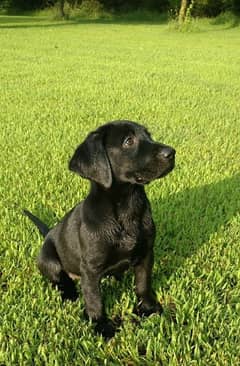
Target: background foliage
<point>200,7</point>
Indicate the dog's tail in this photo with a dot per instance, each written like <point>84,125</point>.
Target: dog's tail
<point>43,228</point>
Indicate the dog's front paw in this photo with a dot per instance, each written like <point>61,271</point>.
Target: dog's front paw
<point>106,328</point>
<point>147,307</point>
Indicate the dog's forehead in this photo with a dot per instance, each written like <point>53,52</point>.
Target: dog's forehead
<point>122,129</point>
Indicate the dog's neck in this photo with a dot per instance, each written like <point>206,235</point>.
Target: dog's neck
<point>117,192</point>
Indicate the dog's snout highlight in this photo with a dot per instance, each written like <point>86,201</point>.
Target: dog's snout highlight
<point>167,152</point>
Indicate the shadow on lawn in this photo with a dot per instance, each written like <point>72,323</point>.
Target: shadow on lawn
<point>29,21</point>
<point>186,221</point>
<point>24,22</point>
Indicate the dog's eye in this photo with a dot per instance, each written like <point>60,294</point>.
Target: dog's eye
<point>129,141</point>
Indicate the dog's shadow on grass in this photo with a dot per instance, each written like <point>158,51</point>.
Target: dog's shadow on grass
<point>185,221</point>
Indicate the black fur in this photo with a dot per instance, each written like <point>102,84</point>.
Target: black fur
<point>112,228</point>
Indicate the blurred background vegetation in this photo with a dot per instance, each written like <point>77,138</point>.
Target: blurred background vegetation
<point>199,8</point>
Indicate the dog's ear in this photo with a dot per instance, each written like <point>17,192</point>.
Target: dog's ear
<point>91,161</point>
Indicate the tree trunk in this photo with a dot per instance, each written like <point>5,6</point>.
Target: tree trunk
<point>61,8</point>
<point>183,11</point>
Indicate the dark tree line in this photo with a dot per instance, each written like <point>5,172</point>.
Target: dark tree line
<point>200,7</point>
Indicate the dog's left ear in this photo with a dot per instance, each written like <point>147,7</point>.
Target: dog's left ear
<point>90,160</point>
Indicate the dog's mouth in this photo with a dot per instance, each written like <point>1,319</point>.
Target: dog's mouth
<point>167,170</point>
<point>141,180</point>
<point>146,177</point>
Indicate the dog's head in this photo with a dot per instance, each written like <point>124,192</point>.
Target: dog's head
<point>122,151</point>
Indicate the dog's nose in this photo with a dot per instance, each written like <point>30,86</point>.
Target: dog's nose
<point>167,152</point>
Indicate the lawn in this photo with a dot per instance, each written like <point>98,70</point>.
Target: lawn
<point>60,80</point>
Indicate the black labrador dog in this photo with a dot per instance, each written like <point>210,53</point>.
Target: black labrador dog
<point>112,228</point>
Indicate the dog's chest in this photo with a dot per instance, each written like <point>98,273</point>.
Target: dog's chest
<point>127,231</point>
<point>126,243</point>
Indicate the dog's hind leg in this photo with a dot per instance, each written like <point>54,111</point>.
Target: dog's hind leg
<point>50,266</point>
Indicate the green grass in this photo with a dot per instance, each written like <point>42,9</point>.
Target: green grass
<point>58,81</point>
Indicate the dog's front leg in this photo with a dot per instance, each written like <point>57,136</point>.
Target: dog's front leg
<point>90,283</point>
<point>147,303</point>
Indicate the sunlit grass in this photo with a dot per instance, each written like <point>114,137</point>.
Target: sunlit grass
<point>58,81</point>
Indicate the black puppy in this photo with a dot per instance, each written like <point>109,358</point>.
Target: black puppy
<point>112,228</point>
